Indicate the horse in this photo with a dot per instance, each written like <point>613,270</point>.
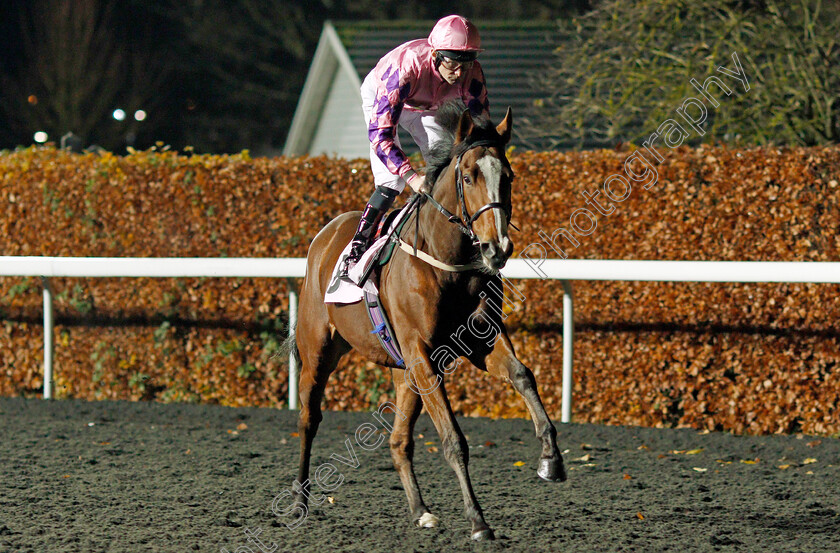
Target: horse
<point>472,189</point>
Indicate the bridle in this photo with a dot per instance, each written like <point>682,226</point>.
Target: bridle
<point>464,221</point>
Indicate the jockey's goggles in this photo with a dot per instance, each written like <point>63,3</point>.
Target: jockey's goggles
<point>454,65</point>
<point>455,59</point>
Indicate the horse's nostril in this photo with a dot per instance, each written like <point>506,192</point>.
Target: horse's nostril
<point>488,249</point>
<point>508,247</point>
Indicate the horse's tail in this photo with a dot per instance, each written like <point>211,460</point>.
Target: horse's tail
<point>289,346</point>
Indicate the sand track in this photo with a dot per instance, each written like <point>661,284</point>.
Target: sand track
<point>119,476</point>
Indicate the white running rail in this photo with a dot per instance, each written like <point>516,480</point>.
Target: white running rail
<point>293,268</point>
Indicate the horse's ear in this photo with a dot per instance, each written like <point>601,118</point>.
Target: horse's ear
<point>506,126</point>
<point>465,126</point>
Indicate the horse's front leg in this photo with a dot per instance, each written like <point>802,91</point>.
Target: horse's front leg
<point>402,450</point>
<point>421,378</point>
<point>502,362</point>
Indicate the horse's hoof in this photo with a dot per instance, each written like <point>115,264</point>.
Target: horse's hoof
<point>483,535</point>
<point>428,520</point>
<point>552,470</point>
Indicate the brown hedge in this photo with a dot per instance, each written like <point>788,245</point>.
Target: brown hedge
<point>740,357</point>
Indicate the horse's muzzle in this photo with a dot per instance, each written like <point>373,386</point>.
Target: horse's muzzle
<point>494,254</point>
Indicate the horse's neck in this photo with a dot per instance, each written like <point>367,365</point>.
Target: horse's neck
<point>440,238</point>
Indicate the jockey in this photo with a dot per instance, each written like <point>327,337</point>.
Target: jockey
<point>406,88</point>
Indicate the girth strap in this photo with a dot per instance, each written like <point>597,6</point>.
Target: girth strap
<point>382,328</point>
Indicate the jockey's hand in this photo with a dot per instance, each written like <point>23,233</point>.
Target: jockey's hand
<point>419,185</point>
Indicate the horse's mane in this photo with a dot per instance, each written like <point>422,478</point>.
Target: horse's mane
<point>442,153</point>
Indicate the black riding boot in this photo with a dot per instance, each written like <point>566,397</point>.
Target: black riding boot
<point>376,207</point>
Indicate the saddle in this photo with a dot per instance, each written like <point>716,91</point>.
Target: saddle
<point>386,252</point>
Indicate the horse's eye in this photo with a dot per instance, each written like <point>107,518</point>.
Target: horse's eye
<point>467,180</point>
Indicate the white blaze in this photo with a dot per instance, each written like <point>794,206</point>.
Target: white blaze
<point>491,168</point>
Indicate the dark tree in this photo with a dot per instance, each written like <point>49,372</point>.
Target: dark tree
<point>622,69</point>
<point>74,64</point>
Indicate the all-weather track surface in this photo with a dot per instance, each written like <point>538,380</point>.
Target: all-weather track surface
<point>125,477</point>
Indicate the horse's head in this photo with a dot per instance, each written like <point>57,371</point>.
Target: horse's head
<point>483,181</point>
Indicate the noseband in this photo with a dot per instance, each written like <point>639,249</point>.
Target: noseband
<point>465,221</point>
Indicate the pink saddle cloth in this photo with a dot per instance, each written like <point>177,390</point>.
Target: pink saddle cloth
<point>344,291</point>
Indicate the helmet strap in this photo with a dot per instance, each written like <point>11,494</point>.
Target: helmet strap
<point>438,60</point>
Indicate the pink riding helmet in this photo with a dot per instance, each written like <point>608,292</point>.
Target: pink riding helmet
<point>455,33</point>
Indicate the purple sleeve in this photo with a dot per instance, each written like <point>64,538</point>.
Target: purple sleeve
<point>391,92</point>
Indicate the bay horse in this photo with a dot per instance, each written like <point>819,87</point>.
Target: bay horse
<point>426,305</point>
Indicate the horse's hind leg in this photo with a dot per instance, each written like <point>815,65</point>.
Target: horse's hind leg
<point>503,363</point>
<point>319,356</point>
<point>402,450</point>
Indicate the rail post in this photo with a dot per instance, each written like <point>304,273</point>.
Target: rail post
<point>49,347</point>
<point>568,351</point>
<point>293,367</point>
